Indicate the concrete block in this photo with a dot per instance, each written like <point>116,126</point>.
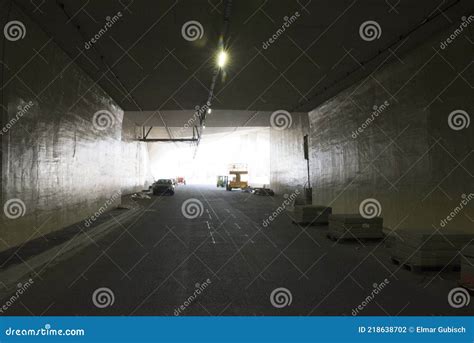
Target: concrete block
<point>315,214</point>
<point>354,226</point>
<point>429,239</point>
<point>428,248</point>
<point>467,273</point>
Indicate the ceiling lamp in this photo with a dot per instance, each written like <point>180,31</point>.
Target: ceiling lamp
<point>222,58</point>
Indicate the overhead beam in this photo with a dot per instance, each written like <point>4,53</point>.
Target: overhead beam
<point>148,132</point>
<point>167,140</point>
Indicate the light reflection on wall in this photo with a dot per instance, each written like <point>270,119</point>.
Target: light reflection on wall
<point>214,155</point>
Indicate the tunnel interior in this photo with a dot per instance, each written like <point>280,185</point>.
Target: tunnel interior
<point>102,99</point>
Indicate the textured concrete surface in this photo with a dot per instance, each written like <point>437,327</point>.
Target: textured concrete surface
<point>135,168</point>
<point>152,267</point>
<point>259,78</point>
<point>408,158</point>
<point>287,164</point>
<point>217,118</point>
<point>54,247</point>
<point>3,108</point>
<point>56,158</point>
<point>61,168</point>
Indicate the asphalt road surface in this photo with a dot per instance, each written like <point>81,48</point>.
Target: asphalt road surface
<point>225,262</point>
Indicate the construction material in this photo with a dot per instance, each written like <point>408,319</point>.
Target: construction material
<point>354,227</point>
<point>142,195</point>
<point>263,191</point>
<point>310,214</point>
<point>419,250</point>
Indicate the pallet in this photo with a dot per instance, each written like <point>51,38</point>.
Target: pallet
<point>350,238</point>
<point>469,288</point>
<point>310,223</point>
<point>423,268</point>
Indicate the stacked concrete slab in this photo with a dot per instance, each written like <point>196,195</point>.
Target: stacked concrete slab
<point>428,248</point>
<point>354,226</point>
<point>467,267</point>
<point>311,214</point>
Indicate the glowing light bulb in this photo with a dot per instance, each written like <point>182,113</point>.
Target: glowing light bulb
<point>222,58</point>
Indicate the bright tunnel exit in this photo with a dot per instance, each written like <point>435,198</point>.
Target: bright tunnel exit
<point>219,150</point>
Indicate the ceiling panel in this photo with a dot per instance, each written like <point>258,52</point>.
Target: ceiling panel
<point>144,62</point>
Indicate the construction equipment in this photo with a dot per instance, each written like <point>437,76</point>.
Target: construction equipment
<point>238,176</point>
<point>222,181</point>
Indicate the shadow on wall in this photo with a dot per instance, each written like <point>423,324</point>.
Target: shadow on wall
<point>287,163</point>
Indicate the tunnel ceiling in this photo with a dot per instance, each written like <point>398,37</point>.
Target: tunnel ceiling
<point>144,63</point>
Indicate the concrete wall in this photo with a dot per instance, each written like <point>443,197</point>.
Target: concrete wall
<point>61,158</point>
<point>135,166</point>
<point>408,158</point>
<point>4,8</point>
<point>287,164</point>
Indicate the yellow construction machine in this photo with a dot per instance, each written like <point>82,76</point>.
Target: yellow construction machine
<point>238,177</point>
